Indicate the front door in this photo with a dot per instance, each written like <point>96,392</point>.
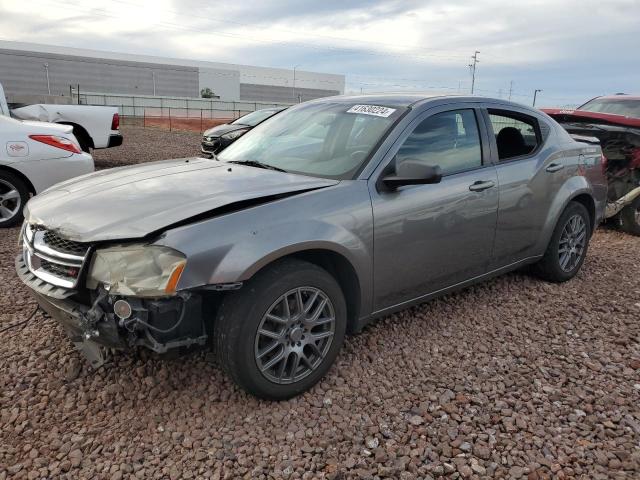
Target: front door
<point>429,237</point>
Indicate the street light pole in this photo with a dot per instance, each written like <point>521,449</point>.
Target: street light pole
<point>535,94</point>
<point>46,70</point>
<point>293,91</point>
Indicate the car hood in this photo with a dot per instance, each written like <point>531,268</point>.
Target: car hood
<point>222,129</point>
<point>132,202</point>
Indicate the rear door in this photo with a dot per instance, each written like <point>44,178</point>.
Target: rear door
<point>530,174</point>
<point>429,237</point>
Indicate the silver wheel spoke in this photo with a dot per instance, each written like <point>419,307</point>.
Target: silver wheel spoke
<point>294,367</point>
<point>299,302</point>
<point>319,336</point>
<point>269,333</point>
<point>5,212</point>
<point>11,195</point>
<point>305,360</point>
<point>310,302</point>
<point>275,318</point>
<point>287,312</point>
<point>273,361</point>
<point>318,311</point>
<point>283,366</point>
<point>268,349</point>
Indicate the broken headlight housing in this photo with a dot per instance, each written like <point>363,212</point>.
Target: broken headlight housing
<point>137,270</point>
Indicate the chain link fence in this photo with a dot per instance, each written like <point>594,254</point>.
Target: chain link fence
<point>172,113</point>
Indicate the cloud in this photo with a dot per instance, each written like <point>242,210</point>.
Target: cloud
<point>571,50</point>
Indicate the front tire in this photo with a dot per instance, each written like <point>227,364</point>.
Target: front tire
<point>568,246</point>
<point>630,218</point>
<point>14,194</point>
<point>279,335</point>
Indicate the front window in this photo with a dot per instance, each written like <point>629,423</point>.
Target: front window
<point>324,139</point>
<point>628,108</point>
<point>450,140</point>
<point>254,118</point>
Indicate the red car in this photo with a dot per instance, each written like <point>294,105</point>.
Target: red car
<point>615,122</point>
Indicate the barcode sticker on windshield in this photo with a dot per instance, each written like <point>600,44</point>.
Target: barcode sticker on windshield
<point>372,110</point>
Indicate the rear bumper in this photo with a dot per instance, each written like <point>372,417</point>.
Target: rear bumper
<point>115,141</point>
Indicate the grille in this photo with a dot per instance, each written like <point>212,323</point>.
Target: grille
<point>65,246</point>
<point>60,270</point>
<point>53,259</point>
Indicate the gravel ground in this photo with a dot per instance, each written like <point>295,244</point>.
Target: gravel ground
<point>147,145</point>
<point>514,378</point>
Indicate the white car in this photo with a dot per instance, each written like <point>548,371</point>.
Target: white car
<point>34,156</point>
<point>93,126</point>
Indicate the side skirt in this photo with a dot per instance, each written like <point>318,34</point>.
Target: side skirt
<point>364,321</point>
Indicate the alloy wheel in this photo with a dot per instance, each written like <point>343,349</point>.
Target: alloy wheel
<point>295,335</point>
<point>572,243</point>
<point>10,201</point>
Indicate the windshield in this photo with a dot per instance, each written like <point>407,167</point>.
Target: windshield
<point>330,140</point>
<point>628,108</point>
<point>254,118</point>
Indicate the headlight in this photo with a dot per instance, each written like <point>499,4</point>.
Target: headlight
<point>233,135</point>
<point>137,270</point>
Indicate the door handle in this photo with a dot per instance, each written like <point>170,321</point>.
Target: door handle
<point>481,185</point>
<point>554,167</point>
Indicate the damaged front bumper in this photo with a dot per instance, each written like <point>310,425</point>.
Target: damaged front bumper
<point>158,324</point>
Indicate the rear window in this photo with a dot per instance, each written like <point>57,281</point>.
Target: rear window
<point>628,108</point>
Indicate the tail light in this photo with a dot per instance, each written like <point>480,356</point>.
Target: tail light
<point>115,122</point>
<point>57,142</point>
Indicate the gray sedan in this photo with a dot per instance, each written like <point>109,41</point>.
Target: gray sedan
<point>324,217</point>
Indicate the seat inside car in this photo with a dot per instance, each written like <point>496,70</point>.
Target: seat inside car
<point>511,143</point>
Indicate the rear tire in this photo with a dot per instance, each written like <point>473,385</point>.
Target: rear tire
<point>630,218</point>
<point>14,195</point>
<point>568,246</point>
<point>280,333</point>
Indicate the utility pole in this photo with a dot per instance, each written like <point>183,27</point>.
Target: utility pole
<point>535,94</point>
<point>294,82</point>
<point>472,66</point>
<point>46,69</point>
<point>153,78</point>
<point>510,89</point>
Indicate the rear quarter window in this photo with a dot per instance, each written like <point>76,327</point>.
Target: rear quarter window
<point>516,134</point>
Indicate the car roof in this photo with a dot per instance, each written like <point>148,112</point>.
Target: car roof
<point>619,98</point>
<point>411,99</point>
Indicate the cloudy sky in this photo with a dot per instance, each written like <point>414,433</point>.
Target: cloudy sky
<point>571,50</point>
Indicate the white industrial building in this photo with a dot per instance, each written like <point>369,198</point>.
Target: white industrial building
<point>34,69</point>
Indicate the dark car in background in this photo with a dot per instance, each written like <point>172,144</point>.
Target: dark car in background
<point>613,120</point>
<point>218,138</point>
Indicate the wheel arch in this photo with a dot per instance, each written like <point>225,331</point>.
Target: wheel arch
<point>21,176</point>
<point>589,203</point>
<point>338,266</point>
<point>83,131</point>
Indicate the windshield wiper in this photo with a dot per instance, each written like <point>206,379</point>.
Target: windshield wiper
<point>255,163</point>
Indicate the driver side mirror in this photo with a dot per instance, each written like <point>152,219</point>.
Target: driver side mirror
<point>412,172</point>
